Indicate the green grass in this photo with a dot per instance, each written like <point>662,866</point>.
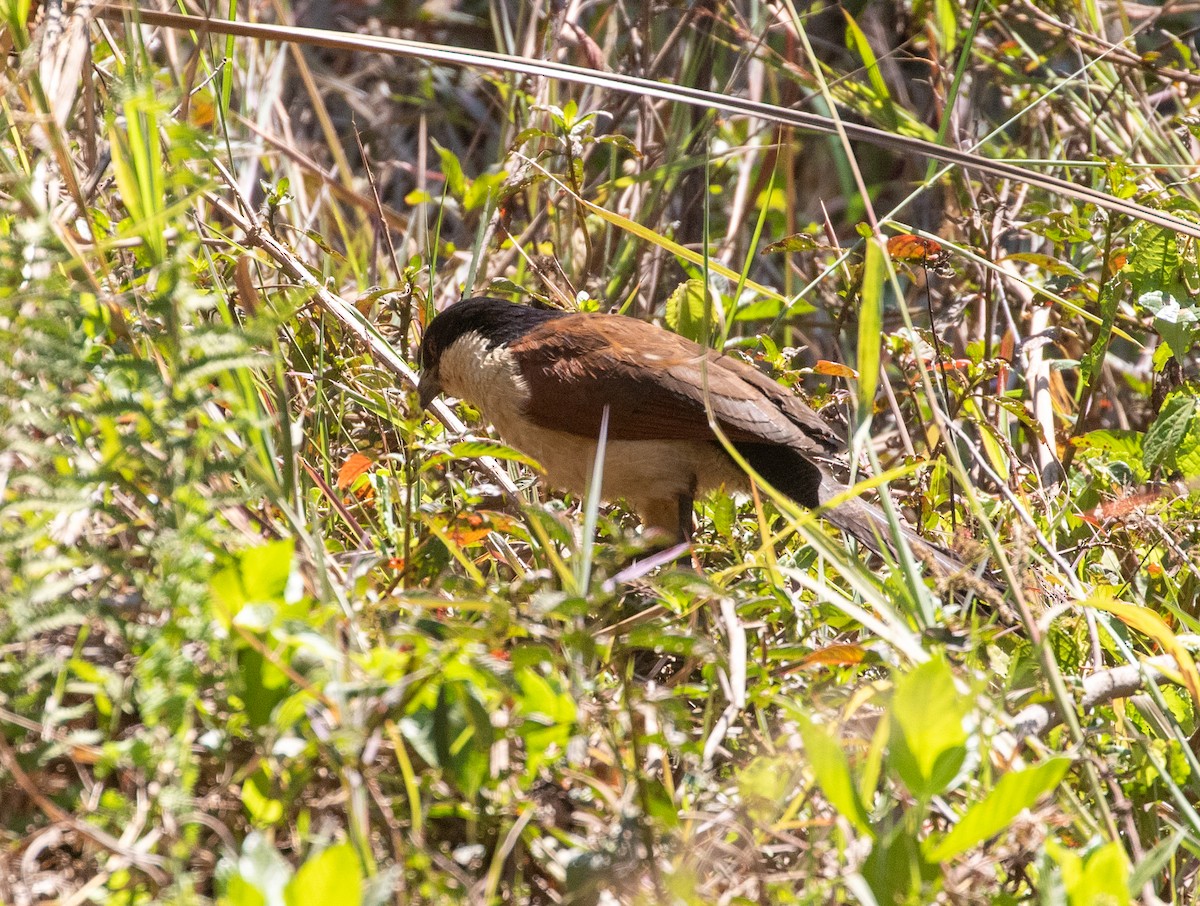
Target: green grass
<point>271,635</point>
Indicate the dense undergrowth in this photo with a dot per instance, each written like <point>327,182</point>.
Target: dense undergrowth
<point>271,635</point>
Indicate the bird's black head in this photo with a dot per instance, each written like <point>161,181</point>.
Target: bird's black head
<point>497,321</point>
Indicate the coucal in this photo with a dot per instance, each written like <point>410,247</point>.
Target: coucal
<point>543,378</point>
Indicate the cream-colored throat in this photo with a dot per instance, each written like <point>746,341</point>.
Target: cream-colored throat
<point>488,379</point>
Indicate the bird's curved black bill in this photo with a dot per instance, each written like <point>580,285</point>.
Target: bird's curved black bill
<point>427,388</point>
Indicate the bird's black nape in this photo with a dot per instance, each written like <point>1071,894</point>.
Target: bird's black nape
<point>497,321</point>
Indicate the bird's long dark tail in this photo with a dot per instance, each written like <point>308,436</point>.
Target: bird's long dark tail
<point>810,485</point>
<point>869,524</point>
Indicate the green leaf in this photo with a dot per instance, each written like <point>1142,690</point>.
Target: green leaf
<point>882,98</point>
<point>870,327</point>
<point>1147,869</point>
<point>723,512</point>
<point>474,449</point>
<point>797,242</point>
<point>1178,326</point>
<point>265,570</point>
<point>259,575</point>
<point>929,730</point>
<point>659,804</point>
<point>264,869</point>
<point>1015,792</point>
<point>263,809</point>
<point>1089,365</point>
<point>547,716</point>
<point>946,18</point>
<point>1154,261</point>
<point>621,141</point>
<point>240,892</point>
<point>456,181</point>
<point>1101,878</point>
<point>480,189</point>
<point>764,786</point>
<point>1047,263</point>
<point>1165,439</point>
<point>333,875</point>
<point>463,736</point>
<point>1113,441</point>
<point>895,868</point>
<point>831,768</point>
<point>690,312</point>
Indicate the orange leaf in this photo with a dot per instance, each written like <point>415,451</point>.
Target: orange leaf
<point>356,465</point>
<point>835,369</point>
<point>468,528</point>
<point>907,247</point>
<point>835,656</point>
<point>471,528</point>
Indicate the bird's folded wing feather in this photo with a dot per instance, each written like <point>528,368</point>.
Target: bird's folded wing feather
<point>656,384</point>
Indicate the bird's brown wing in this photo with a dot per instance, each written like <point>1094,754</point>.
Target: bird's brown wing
<point>656,384</point>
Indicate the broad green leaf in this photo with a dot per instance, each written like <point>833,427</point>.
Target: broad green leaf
<point>258,576</point>
<point>1015,792</point>
<point>896,868</point>
<point>929,732</point>
<point>946,17</point>
<point>797,242</point>
<point>993,446</point>
<point>1101,878</point>
<point>240,892</point>
<point>462,735</point>
<point>1179,326</point>
<point>690,314</point>
<point>1116,442</point>
<point>1154,261</point>
<point>831,768</point>
<point>263,868</point>
<point>265,570</point>
<point>1167,438</point>
<point>545,713</point>
<point>333,875</point>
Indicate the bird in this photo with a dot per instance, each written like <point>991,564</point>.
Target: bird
<point>545,377</point>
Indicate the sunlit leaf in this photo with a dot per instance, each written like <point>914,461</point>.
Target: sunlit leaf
<point>1015,792</point>
<point>831,768</point>
<point>1149,623</point>
<point>333,875</point>
<point>870,327</point>
<point>356,464</point>
<point>929,731</point>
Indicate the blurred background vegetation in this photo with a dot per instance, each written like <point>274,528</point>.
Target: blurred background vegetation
<point>272,636</point>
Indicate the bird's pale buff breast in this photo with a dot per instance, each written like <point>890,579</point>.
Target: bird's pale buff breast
<point>641,471</point>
